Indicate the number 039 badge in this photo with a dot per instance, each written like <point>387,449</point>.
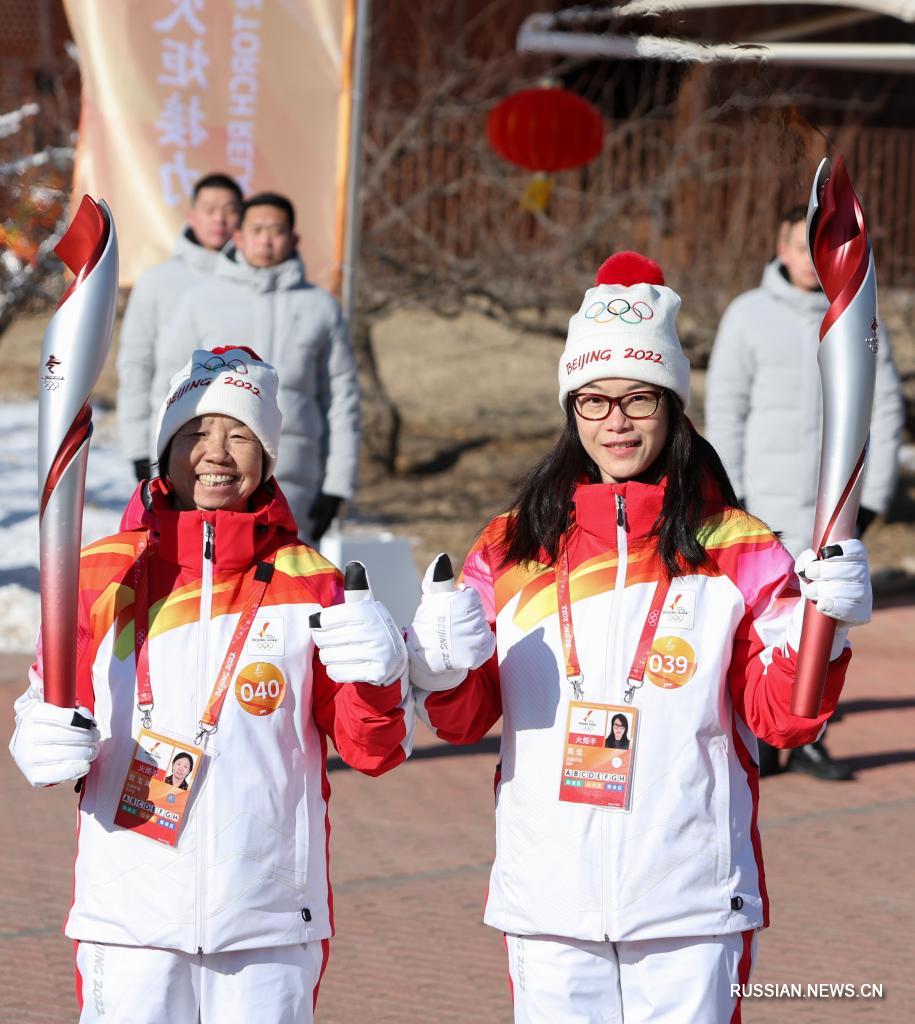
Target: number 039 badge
<point>260,688</point>
<point>598,756</point>
<point>671,662</point>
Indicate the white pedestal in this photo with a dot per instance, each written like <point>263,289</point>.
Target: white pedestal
<point>389,562</point>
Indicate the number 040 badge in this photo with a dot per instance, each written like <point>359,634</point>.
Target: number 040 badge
<point>598,755</point>
<point>260,688</point>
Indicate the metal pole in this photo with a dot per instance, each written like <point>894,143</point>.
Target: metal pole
<point>351,238</point>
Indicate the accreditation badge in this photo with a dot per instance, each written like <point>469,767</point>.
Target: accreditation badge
<point>157,789</point>
<point>599,755</point>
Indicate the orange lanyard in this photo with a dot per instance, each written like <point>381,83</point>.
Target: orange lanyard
<point>141,632</point>
<point>566,628</point>
<point>636,676</point>
<point>210,717</point>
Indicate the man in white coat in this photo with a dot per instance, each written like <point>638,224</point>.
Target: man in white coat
<point>211,222</point>
<point>259,296</point>
<point>763,413</point>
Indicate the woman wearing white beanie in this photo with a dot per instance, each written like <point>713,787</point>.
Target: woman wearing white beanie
<point>625,589</point>
<point>209,900</point>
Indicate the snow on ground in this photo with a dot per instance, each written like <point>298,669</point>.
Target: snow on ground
<point>109,484</point>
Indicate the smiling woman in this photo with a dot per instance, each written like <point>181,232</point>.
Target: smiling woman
<point>645,628</point>
<point>215,462</point>
<point>196,620</point>
<point>622,426</point>
<point>219,430</point>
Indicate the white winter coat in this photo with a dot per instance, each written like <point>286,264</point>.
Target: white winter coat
<point>763,407</point>
<point>249,870</point>
<point>152,303</point>
<point>686,859</point>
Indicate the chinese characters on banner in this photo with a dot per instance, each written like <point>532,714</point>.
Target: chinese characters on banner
<point>175,89</point>
<point>183,87</point>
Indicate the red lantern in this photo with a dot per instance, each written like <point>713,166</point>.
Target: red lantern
<point>545,130</point>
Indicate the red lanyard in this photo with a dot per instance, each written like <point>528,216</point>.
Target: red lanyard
<point>141,631</point>
<point>566,629</point>
<point>636,675</point>
<point>208,720</point>
<point>574,675</point>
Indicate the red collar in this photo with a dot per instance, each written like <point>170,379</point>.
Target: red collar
<point>596,508</point>
<point>596,513</point>
<point>239,539</point>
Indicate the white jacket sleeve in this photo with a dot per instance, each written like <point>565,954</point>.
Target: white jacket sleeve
<point>339,396</point>
<point>728,387</point>
<point>136,366</point>
<point>886,427</point>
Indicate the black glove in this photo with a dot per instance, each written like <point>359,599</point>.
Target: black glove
<point>141,468</point>
<point>865,517</point>
<point>322,512</point>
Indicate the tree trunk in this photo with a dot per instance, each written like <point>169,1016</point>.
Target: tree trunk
<point>380,416</point>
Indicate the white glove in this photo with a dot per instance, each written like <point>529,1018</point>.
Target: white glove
<point>839,585</point>
<point>358,641</point>
<point>449,635</point>
<point>47,748</point>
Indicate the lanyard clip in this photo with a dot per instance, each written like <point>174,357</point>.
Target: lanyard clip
<point>578,690</point>
<point>204,733</point>
<point>145,713</point>
<point>629,695</point>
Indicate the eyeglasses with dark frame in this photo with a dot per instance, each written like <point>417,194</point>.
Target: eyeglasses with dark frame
<point>639,405</point>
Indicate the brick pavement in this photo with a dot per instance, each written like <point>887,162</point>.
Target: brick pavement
<point>410,859</point>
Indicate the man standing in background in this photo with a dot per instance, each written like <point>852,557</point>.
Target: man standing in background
<point>258,296</point>
<point>211,223</point>
<point>763,413</point>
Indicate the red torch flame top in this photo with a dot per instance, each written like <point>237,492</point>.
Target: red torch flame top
<point>841,250</point>
<point>83,243</point>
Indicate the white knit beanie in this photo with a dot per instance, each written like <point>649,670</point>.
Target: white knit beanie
<point>231,381</point>
<point>627,329</point>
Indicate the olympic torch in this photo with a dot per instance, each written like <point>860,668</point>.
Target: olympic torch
<point>73,352</point>
<point>847,357</point>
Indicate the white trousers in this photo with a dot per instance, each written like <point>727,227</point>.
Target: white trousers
<point>661,981</point>
<point>138,985</point>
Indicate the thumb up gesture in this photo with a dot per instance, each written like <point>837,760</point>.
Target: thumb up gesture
<point>450,633</point>
<point>358,641</point>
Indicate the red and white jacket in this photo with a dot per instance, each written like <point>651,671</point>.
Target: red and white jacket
<point>250,867</point>
<point>686,859</point>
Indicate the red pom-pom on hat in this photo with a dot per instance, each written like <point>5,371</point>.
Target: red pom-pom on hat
<point>221,350</point>
<point>629,268</point>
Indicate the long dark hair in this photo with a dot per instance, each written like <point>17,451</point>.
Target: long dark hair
<point>539,515</point>
<point>625,723</point>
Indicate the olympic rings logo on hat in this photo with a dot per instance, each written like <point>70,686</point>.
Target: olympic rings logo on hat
<point>218,363</point>
<point>626,312</point>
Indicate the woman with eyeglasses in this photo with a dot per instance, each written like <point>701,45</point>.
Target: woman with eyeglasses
<point>618,737</point>
<point>625,580</point>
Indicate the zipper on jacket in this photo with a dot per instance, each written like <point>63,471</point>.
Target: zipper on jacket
<point>614,660</point>
<point>612,684</point>
<point>203,681</point>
